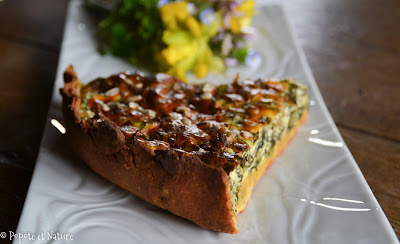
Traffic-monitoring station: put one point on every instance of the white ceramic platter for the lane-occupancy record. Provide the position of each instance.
(313, 193)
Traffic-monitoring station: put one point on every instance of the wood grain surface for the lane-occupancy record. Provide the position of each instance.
(353, 48)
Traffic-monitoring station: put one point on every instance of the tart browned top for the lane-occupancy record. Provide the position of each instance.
(216, 123)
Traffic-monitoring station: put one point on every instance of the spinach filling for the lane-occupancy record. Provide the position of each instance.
(266, 139)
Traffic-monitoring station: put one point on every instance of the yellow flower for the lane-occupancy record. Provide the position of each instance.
(173, 13)
(201, 70)
(180, 45)
(247, 7)
(176, 53)
(186, 40)
(235, 24)
(246, 10)
(177, 72)
(193, 26)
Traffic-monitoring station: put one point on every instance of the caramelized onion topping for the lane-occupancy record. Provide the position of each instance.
(216, 123)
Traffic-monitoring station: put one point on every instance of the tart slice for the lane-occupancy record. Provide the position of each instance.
(195, 150)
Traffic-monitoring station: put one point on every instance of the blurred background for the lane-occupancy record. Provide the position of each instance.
(353, 48)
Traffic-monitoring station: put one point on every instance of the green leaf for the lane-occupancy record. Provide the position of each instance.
(239, 53)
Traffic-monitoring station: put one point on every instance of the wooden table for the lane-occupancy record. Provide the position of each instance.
(353, 48)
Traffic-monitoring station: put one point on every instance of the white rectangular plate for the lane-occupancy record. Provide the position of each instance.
(313, 193)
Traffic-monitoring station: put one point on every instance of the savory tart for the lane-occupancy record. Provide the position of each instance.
(196, 150)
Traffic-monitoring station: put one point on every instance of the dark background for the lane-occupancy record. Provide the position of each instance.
(353, 48)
